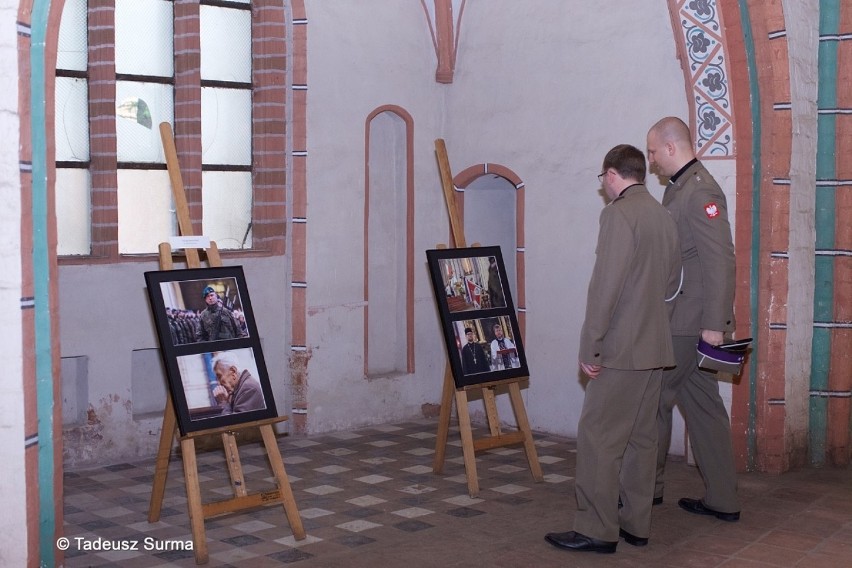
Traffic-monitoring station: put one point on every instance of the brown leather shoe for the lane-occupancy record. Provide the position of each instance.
(698, 507)
(572, 540)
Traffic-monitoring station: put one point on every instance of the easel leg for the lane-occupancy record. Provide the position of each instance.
(193, 496)
(235, 467)
(524, 426)
(467, 443)
(284, 488)
(444, 422)
(489, 398)
(161, 470)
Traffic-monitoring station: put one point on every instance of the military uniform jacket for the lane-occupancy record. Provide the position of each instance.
(217, 322)
(706, 299)
(636, 269)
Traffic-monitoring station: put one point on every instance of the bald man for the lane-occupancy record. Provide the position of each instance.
(703, 308)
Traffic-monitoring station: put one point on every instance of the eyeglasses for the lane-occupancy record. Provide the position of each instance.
(601, 175)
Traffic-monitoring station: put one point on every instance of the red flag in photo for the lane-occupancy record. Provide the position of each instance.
(474, 293)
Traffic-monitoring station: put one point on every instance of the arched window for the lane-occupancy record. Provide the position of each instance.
(491, 202)
(388, 244)
(489, 219)
(122, 69)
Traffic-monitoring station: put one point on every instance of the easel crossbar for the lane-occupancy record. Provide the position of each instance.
(233, 429)
(499, 441)
(251, 500)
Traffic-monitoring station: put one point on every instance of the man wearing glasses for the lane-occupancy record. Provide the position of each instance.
(624, 344)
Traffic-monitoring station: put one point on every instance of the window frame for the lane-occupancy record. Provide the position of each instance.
(268, 87)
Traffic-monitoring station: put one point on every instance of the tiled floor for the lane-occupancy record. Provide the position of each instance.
(369, 499)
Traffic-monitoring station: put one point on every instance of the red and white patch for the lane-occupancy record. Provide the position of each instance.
(712, 210)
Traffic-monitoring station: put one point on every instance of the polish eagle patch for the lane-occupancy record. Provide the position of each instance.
(712, 210)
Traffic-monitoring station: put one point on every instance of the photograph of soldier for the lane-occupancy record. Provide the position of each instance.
(216, 322)
(472, 283)
(200, 310)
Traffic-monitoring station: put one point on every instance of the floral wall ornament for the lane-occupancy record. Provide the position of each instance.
(698, 24)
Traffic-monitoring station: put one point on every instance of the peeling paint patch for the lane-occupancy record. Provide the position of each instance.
(299, 389)
(109, 435)
(314, 310)
(92, 416)
(430, 410)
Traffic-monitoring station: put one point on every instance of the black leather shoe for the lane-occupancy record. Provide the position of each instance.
(698, 507)
(656, 501)
(632, 539)
(576, 541)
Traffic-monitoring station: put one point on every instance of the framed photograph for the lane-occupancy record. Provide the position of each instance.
(477, 315)
(210, 347)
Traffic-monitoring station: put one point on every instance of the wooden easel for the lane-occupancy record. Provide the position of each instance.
(496, 438)
(199, 511)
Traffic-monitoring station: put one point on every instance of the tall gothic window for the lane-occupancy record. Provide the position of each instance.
(123, 68)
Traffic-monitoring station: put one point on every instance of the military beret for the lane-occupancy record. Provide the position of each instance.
(206, 291)
(727, 358)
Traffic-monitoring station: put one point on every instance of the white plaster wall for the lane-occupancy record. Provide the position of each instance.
(104, 314)
(360, 58)
(13, 526)
(544, 88)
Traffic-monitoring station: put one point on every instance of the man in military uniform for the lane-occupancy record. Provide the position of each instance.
(625, 343)
(704, 308)
(216, 322)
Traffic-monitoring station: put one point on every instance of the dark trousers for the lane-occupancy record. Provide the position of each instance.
(696, 393)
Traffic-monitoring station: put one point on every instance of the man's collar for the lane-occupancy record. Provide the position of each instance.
(683, 169)
(624, 191)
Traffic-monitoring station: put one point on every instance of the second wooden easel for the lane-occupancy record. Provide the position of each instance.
(199, 511)
(496, 438)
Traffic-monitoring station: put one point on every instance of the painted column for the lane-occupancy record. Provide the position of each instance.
(801, 28)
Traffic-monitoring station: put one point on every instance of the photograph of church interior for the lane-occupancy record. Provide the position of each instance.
(308, 138)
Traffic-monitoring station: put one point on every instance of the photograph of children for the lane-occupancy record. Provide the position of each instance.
(218, 383)
(472, 283)
(489, 337)
(203, 310)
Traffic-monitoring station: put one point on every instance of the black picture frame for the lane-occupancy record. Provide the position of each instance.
(206, 350)
(471, 292)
